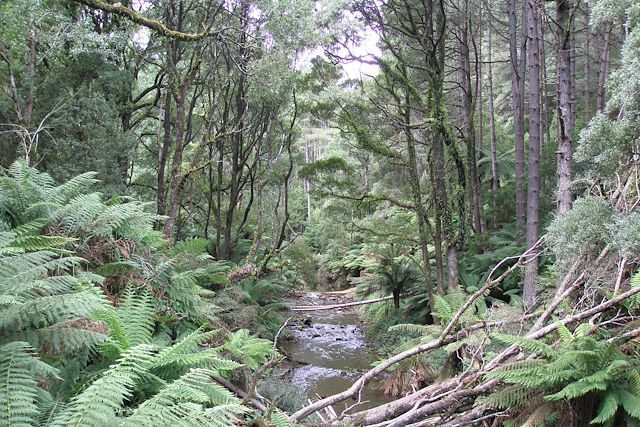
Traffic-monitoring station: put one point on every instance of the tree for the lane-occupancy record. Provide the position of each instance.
(564, 22)
(533, 176)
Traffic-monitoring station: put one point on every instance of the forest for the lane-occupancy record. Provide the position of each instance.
(320, 212)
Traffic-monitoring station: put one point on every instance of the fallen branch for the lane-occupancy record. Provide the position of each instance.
(442, 340)
(240, 393)
(334, 306)
(256, 377)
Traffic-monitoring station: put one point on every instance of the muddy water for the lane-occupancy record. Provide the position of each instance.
(332, 353)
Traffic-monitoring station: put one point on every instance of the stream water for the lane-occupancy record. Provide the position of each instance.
(331, 352)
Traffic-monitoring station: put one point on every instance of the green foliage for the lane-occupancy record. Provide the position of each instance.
(68, 210)
(131, 324)
(191, 399)
(581, 231)
(625, 233)
(252, 351)
(329, 165)
(21, 377)
(147, 370)
(392, 275)
(45, 298)
(579, 366)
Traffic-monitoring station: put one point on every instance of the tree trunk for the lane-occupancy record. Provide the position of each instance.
(473, 181)
(495, 172)
(308, 158)
(163, 151)
(565, 108)
(603, 68)
(587, 68)
(517, 64)
(176, 164)
(533, 180)
(219, 176)
(437, 237)
(421, 214)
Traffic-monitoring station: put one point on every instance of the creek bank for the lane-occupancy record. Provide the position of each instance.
(327, 349)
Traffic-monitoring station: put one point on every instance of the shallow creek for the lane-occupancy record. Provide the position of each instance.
(331, 352)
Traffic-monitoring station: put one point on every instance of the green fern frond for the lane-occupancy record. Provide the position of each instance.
(444, 311)
(607, 408)
(577, 389)
(137, 312)
(531, 345)
(218, 416)
(100, 402)
(565, 334)
(582, 330)
(73, 186)
(279, 420)
(131, 324)
(65, 338)
(252, 351)
(630, 402)
(634, 381)
(410, 328)
(166, 407)
(20, 372)
(510, 397)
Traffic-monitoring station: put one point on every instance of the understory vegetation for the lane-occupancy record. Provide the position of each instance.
(176, 175)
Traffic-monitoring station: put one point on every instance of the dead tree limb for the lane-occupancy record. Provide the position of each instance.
(333, 306)
(442, 340)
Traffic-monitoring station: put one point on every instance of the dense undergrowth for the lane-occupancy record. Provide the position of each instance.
(102, 324)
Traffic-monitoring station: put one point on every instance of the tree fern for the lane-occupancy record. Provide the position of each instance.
(49, 235)
(509, 397)
(20, 374)
(99, 403)
(165, 408)
(188, 353)
(132, 323)
(252, 351)
(607, 409)
(531, 345)
(43, 292)
(280, 420)
(580, 366)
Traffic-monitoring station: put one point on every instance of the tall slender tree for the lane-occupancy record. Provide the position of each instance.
(565, 105)
(533, 176)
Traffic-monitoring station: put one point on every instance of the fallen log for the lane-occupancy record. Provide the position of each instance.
(454, 392)
(439, 342)
(458, 391)
(334, 306)
(240, 393)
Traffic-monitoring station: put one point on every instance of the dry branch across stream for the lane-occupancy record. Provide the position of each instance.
(451, 400)
(300, 308)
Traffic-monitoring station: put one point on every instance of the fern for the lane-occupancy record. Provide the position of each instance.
(607, 408)
(279, 420)
(131, 324)
(50, 234)
(531, 345)
(510, 397)
(166, 407)
(20, 373)
(188, 354)
(99, 403)
(252, 351)
(43, 293)
(580, 366)
(412, 329)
